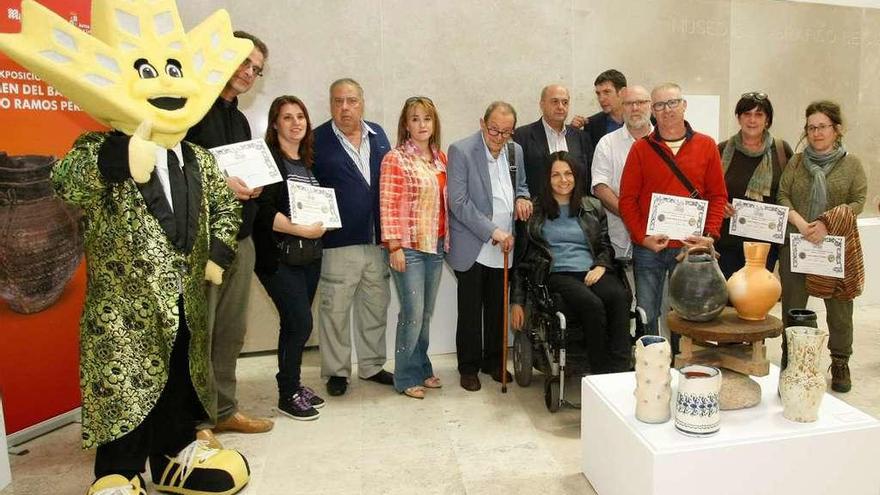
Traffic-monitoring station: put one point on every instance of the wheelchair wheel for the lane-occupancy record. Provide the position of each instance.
(551, 393)
(522, 358)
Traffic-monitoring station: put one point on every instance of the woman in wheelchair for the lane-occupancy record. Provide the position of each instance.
(565, 242)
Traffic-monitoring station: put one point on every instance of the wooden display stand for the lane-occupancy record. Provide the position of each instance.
(725, 342)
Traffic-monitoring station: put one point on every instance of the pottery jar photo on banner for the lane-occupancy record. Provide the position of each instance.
(802, 383)
(697, 412)
(753, 289)
(653, 379)
(697, 288)
(40, 241)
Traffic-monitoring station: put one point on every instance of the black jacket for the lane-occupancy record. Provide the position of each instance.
(225, 124)
(597, 126)
(274, 199)
(533, 140)
(532, 257)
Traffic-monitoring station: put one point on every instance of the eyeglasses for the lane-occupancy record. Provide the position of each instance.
(670, 104)
(638, 103)
(498, 132)
(820, 128)
(755, 95)
(418, 99)
(246, 64)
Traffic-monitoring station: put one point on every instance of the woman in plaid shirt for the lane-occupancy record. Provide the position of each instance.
(412, 204)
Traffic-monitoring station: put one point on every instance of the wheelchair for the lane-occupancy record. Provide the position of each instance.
(553, 343)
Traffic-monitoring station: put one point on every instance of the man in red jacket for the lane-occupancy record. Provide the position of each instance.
(646, 172)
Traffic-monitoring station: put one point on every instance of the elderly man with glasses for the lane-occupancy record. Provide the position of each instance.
(486, 188)
(650, 168)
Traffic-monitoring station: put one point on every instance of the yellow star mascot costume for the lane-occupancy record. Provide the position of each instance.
(159, 222)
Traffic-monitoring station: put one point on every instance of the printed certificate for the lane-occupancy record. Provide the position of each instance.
(762, 221)
(676, 216)
(250, 161)
(825, 258)
(310, 204)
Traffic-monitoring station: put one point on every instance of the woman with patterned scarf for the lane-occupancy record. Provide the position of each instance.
(820, 179)
(753, 161)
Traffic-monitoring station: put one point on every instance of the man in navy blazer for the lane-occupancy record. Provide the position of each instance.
(609, 86)
(550, 134)
(485, 193)
(348, 156)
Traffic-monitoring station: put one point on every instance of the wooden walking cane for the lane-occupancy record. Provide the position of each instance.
(504, 330)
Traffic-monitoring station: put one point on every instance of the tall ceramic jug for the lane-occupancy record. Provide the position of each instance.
(653, 379)
(802, 384)
(697, 412)
(697, 288)
(753, 290)
(40, 241)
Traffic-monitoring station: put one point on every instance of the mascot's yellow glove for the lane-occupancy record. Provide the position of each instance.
(142, 153)
(213, 273)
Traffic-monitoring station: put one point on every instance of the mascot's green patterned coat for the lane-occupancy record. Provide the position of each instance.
(135, 277)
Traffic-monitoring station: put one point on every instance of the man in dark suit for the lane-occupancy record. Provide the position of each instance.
(550, 134)
(609, 93)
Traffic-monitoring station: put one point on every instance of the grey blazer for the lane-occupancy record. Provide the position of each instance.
(469, 192)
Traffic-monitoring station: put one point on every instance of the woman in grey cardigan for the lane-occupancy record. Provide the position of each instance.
(816, 180)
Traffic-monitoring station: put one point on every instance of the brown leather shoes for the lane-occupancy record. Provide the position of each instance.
(471, 383)
(244, 424)
(208, 437)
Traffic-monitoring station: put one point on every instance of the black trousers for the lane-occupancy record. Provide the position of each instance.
(480, 316)
(168, 428)
(602, 310)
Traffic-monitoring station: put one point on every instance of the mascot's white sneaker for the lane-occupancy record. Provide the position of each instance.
(201, 470)
(116, 484)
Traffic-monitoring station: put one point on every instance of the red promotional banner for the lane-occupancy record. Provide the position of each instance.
(39, 352)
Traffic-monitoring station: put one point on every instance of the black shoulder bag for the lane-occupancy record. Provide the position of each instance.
(295, 250)
(675, 170)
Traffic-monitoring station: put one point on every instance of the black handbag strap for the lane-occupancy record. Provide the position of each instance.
(675, 170)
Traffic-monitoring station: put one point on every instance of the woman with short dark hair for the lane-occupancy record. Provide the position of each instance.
(752, 160)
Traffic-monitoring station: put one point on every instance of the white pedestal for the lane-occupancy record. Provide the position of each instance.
(5, 474)
(756, 452)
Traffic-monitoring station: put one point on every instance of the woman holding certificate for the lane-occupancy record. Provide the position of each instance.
(289, 255)
(824, 187)
(752, 160)
(412, 205)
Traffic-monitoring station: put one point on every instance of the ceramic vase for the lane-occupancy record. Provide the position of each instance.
(802, 384)
(653, 379)
(697, 288)
(697, 412)
(753, 290)
(40, 240)
(797, 317)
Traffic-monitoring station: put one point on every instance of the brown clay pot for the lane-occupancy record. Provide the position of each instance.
(753, 290)
(40, 241)
(697, 289)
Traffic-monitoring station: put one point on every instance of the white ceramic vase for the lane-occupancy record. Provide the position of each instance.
(653, 379)
(802, 384)
(697, 411)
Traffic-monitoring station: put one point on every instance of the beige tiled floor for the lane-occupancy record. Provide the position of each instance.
(373, 441)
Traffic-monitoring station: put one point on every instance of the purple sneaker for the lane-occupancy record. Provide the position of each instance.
(297, 407)
(310, 395)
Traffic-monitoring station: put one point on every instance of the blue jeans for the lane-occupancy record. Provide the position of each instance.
(292, 289)
(650, 271)
(417, 290)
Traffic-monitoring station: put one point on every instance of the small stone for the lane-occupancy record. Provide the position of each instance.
(738, 391)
